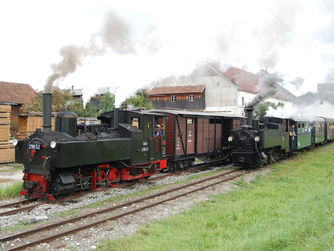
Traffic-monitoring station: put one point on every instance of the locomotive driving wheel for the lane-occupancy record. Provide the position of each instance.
(114, 176)
(101, 175)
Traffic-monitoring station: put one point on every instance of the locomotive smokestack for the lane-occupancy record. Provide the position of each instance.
(116, 110)
(249, 115)
(47, 103)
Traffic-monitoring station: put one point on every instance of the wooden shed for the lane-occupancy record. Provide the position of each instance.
(28, 123)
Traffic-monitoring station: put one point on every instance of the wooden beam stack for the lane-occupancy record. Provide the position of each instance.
(7, 151)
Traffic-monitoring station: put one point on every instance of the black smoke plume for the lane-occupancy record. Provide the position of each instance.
(268, 84)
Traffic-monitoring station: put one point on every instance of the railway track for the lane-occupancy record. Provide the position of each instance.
(20, 208)
(19, 205)
(41, 235)
(15, 204)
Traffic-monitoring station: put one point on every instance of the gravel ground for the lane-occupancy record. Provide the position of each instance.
(45, 211)
(127, 226)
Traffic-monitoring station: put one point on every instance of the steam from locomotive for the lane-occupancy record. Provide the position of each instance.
(268, 86)
(114, 34)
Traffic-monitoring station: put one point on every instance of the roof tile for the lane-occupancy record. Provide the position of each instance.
(176, 89)
(15, 93)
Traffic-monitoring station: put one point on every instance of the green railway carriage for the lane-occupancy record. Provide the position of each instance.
(329, 129)
(319, 125)
(309, 132)
(303, 131)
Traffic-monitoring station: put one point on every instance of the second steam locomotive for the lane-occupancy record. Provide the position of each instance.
(268, 139)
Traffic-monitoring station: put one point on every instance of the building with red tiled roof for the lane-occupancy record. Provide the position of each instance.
(227, 89)
(14, 93)
(249, 82)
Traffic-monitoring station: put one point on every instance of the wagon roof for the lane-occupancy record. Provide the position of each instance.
(198, 113)
(307, 119)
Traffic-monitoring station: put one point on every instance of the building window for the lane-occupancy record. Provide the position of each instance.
(242, 101)
(173, 98)
(191, 97)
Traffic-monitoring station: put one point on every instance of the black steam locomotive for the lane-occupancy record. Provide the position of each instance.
(74, 158)
(268, 139)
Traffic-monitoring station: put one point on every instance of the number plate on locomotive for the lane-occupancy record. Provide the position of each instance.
(34, 146)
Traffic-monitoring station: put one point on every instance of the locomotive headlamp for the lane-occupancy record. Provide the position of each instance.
(15, 141)
(230, 138)
(53, 144)
(256, 138)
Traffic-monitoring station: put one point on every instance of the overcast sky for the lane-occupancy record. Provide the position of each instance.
(160, 38)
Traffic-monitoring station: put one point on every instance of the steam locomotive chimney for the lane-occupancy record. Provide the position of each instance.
(116, 110)
(249, 115)
(47, 103)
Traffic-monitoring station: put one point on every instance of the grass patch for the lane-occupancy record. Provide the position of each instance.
(19, 226)
(291, 208)
(240, 183)
(11, 190)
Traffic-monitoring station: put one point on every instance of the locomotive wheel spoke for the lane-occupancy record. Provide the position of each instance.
(114, 177)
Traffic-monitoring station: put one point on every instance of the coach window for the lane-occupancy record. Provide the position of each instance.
(191, 97)
(242, 101)
(173, 98)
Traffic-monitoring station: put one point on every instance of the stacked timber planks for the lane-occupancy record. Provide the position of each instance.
(29, 123)
(7, 151)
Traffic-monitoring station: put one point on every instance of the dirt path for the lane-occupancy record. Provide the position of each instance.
(9, 175)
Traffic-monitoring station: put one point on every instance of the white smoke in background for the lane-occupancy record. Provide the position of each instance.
(114, 34)
(200, 70)
(330, 76)
(277, 32)
(315, 109)
(265, 40)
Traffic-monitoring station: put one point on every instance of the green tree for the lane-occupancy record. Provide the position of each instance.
(260, 110)
(61, 100)
(107, 102)
(140, 99)
(90, 111)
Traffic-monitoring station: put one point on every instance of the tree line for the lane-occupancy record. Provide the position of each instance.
(62, 100)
